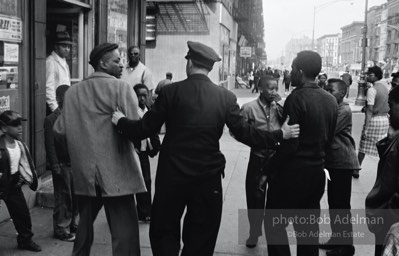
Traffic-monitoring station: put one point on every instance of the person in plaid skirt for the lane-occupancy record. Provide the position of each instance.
(376, 122)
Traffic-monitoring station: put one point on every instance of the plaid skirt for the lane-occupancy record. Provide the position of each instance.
(378, 130)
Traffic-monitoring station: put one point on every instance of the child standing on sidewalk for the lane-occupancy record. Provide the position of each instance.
(340, 161)
(65, 215)
(16, 169)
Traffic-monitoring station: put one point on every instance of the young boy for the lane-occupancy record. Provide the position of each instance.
(146, 148)
(383, 199)
(340, 161)
(16, 169)
(65, 206)
(263, 113)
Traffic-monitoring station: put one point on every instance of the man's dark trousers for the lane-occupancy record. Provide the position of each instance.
(122, 221)
(255, 199)
(144, 199)
(19, 211)
(65, 215)
(202, 200)
(339, 190)
(296, 190)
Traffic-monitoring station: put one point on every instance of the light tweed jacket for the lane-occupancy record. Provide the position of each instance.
(99, 155)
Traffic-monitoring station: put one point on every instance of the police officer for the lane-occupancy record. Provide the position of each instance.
(191, 165)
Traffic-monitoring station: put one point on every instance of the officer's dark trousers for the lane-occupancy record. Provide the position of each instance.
(339, 190)
(202, 201)
(144, 199)
(65, 214)
(19, 212)
(255, 199)
(122, 221)
(295, 189)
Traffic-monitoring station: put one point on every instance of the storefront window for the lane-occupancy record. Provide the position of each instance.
(117, 25)
(10, 39)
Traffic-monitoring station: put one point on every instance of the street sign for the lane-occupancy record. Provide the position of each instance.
(246, 52)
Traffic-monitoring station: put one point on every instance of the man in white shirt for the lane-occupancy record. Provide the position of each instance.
(136, 72)
(57, 69)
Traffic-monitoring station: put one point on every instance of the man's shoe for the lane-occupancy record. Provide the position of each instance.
(342, 251)
(355, 174)
(30, 246)
(67, 237)
(328, 245)
(252, 241)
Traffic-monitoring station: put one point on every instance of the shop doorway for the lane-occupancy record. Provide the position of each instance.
(64, 16)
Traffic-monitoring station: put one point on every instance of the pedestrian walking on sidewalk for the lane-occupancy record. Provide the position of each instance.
(295, 173)
(65, 213)
(266, 114)
(148, 147)
(376, 122)
(105, 167)
(286, 81)
(191, 165)
(341, 160)
(16, 169)
(347, 78)
(383, 199)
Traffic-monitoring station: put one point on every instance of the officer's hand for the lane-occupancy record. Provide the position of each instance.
(290, 131)
(116, 116)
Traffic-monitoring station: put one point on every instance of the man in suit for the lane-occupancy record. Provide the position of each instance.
(191, 165)
(105, 168)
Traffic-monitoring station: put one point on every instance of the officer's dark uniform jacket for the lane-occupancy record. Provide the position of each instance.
(195, 111)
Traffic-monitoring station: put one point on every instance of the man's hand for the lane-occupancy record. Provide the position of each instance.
(116, 116)
(290, 131)
(392, 132)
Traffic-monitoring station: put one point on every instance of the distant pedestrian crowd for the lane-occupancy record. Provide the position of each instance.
(101, 132)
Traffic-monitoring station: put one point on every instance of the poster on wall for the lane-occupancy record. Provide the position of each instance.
(10, 29)
(11, 53)
(4, 103)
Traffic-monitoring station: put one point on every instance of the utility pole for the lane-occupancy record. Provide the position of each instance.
(362, 84)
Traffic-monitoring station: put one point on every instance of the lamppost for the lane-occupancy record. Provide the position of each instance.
(316, 7)
(362, 84)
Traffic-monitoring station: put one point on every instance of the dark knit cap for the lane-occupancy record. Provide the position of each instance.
(202, 55)
(99, 51)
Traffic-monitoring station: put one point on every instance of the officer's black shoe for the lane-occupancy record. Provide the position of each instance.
(355, 174)
(30, 246)
(342, 251)
(252, 241)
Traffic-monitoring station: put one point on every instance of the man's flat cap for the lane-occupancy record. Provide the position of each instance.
(202, 55)
(98, 52)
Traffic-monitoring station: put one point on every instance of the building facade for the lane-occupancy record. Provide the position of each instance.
(351, 49)
(328, 48)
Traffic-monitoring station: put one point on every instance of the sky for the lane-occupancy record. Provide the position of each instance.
(286, 19)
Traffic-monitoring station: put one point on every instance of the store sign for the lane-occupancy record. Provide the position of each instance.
(245, 52)
(10, 29)
(4, 103)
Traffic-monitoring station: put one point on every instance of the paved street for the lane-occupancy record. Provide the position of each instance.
(230, 240)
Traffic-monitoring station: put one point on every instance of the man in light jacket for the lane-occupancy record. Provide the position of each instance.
(57, 69)
(105, 167)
